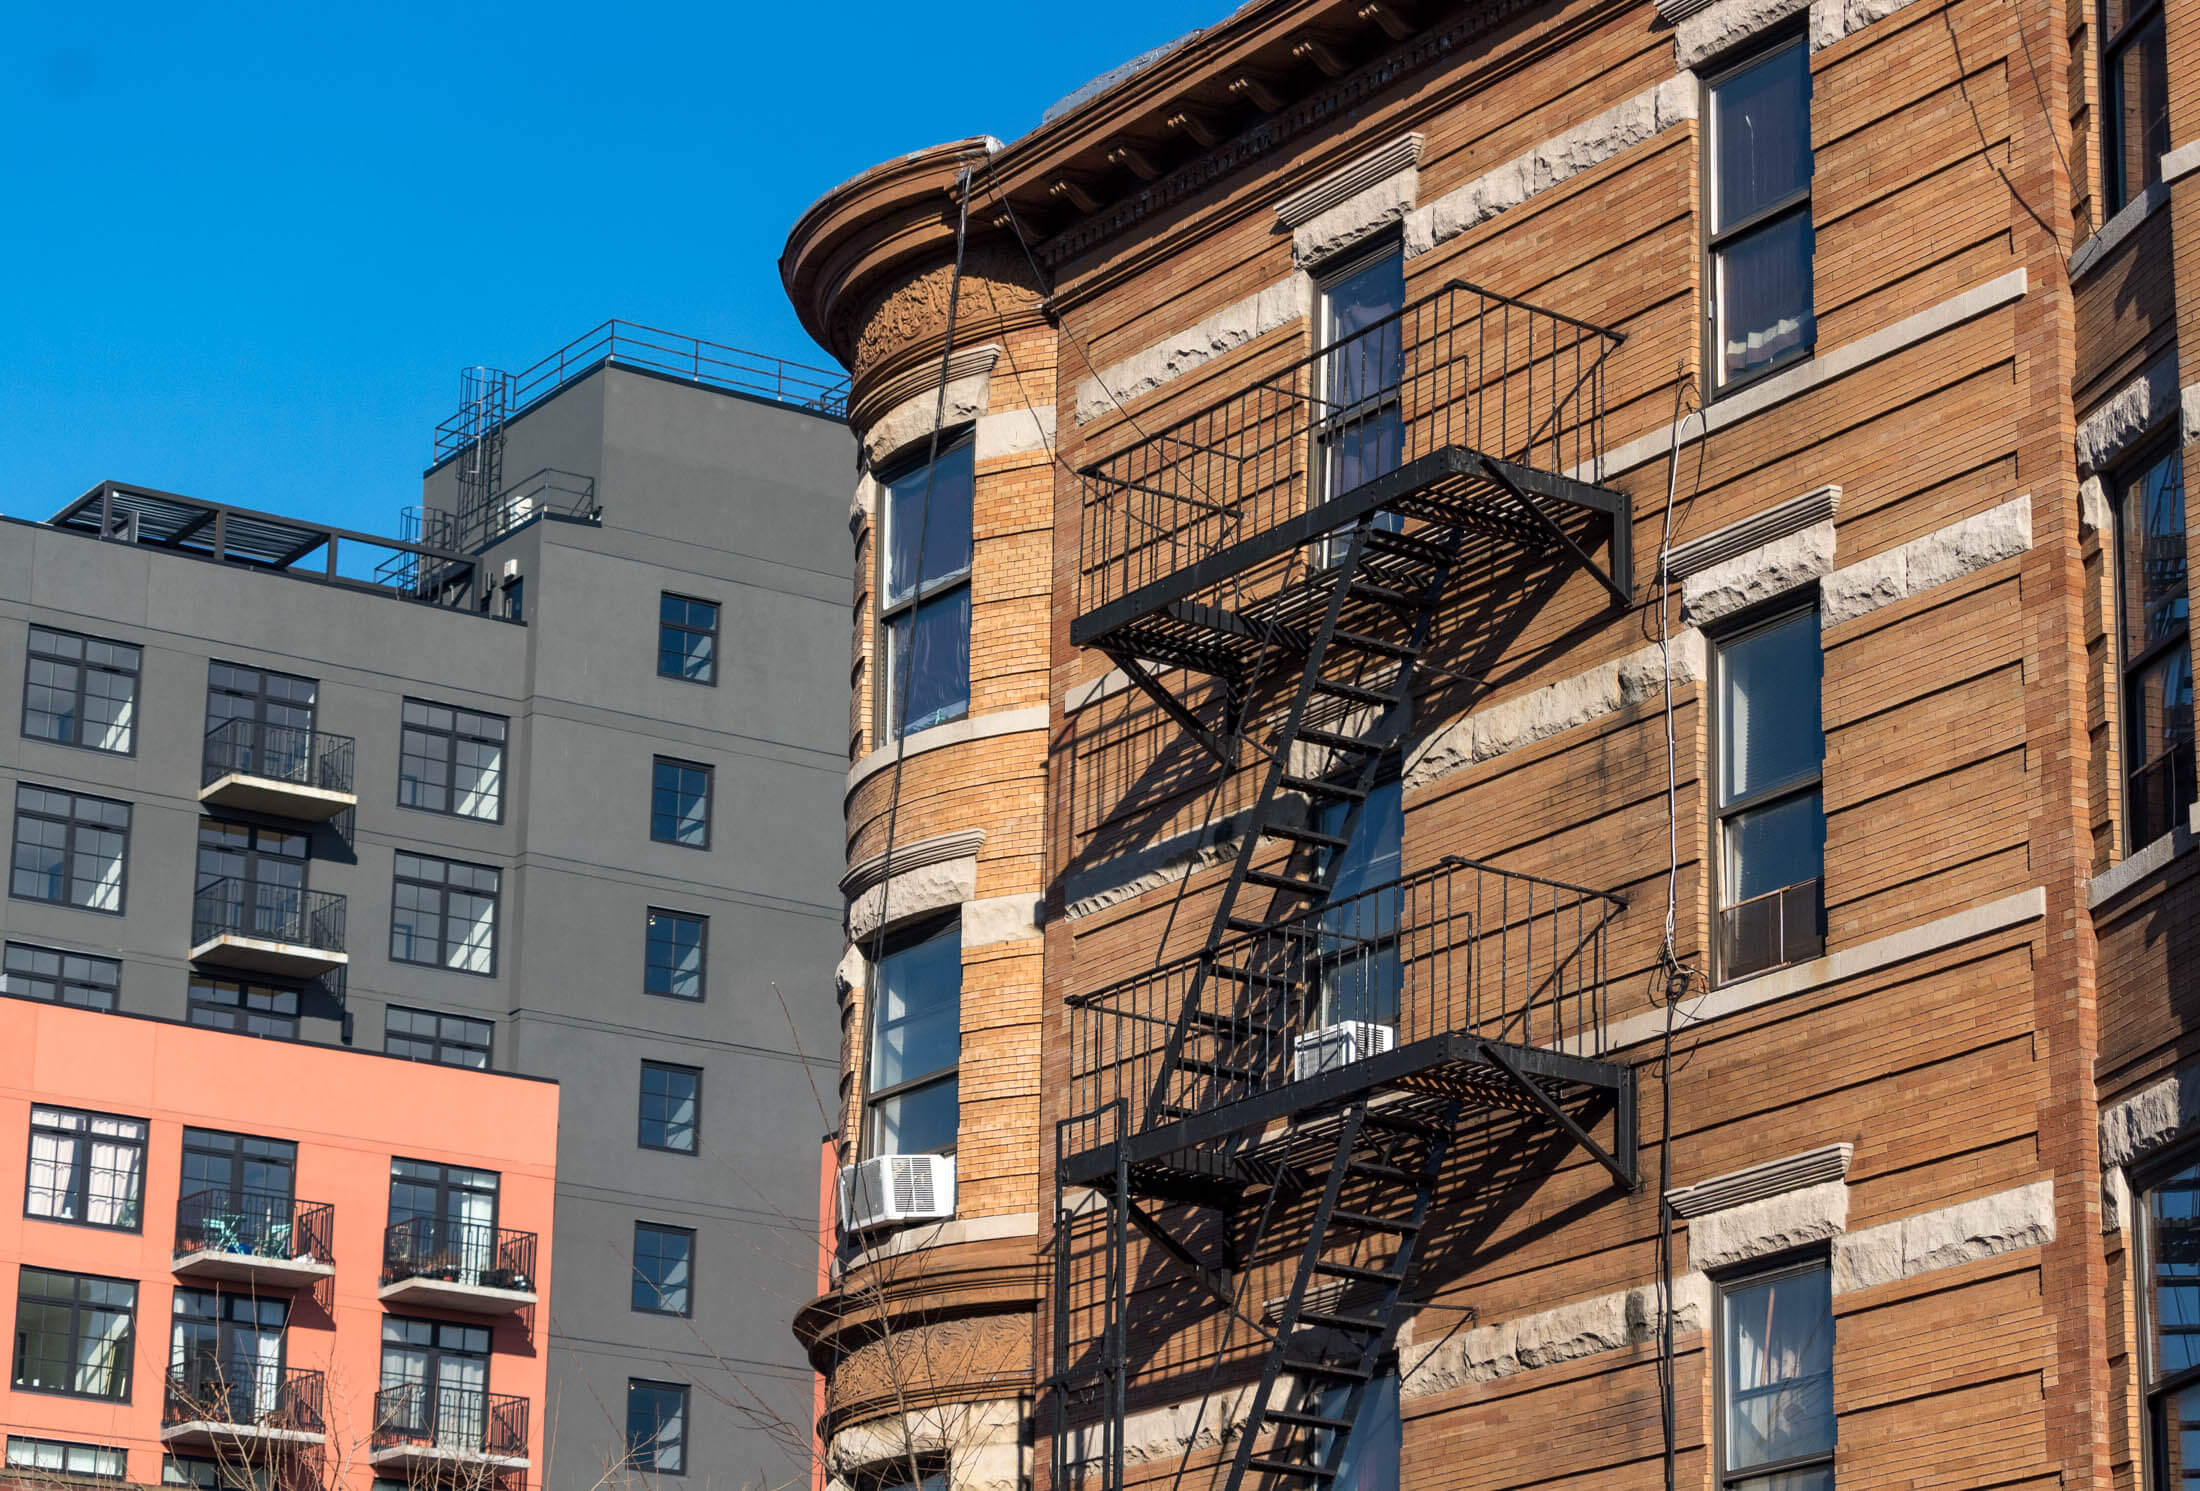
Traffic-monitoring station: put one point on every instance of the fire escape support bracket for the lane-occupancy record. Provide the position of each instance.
(1218, 1282)
(1175, 708)
(1521, 482)
(1624, 1173)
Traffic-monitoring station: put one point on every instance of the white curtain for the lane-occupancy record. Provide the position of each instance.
(54, 1158)
(477, 1235)
(117, 1180)
(460, 1402)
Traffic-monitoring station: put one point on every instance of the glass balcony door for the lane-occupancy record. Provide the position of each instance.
(226, 1355)
(452, 1212)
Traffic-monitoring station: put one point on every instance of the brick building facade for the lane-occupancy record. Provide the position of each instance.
(1560, 745)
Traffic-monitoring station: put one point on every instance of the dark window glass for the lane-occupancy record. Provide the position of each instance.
(282, 700)
(60, 977)
(662, 1257)
(91, 1462)
(252, 880)
(1359, 971)
(448, 1214)
(2135, 98)
(679, 803)
(687, 639)
(1771, 814)
(2157, 652)
(74, 1334)
(246, 1009)
(444, 914)
(81, 691)
(1377, 1443)
(656, 1426)
(451, 760)
(2170, 1307)
(671, 1096)
(221, 1475)
(225, 1354)
(515, 600)
(70, 849)
(674, 965)
(242, 1185)
(916, 1041)
(423, 1035)
(1359, 428)
(924, 589)
(1761, 238)
(86, 1167)
(1776, 1382)
(435, 1381)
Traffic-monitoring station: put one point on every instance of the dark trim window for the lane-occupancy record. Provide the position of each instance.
(679, 802)
(282, 700)
(1771, 821)
(87, 1168)
(451, 760)
(244, 1009)
(1359, 430)
(2169, 1312)
(70, 849)
(226, 1353)
(664, 1258)
(60, 977)
(448, 1040)
(656, 1426)
(435, 1380)
(74, 1334)
(671, 1107)
(1376, 1446)
(924, 564)
(912, 1099)
(1757, 189)
(1776, 1423)
(443, 914)
(2134, 99)
(687, 638)
(86, 1462)
(81, 691)
(677, 950)
(1364, 984)
(247, 1180)
(2155, 645)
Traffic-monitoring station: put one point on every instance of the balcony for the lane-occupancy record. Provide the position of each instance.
(469, 1266)
(280, 770)
(244, 1403)
(267, 1240)
(268, 929)
(432, 1431)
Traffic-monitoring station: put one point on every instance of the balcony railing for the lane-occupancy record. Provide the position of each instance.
(278, 753)
(457, 1421)
(1462, 948)
(472, 1254)
(1463, 368)
(268, 913)
(247, 1395)
(255, 1224)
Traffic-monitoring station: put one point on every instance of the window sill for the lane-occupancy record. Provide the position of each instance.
(2095, 250)
(953, 732)
(2144, 862)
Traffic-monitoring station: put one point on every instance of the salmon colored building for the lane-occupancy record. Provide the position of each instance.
(249, 1262)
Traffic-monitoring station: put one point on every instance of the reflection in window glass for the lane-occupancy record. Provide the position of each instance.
(2157, 659)
(1761, 238)
(81, 691)
(916, 1040)
(670, 1097)
(924, 589)
(1771, 810)
(1777, 1380)
(673, 959)
(679, 803)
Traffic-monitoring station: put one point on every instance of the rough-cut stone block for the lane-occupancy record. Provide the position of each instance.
(1165, 361)
(2150, 1118)
(1000, 919)
(912, 892)
(1356, 217)
(913, 419)
(1936, 558)
(2128, 415)
(1611, 1322)
(1758, 1229)
(1015, 432)
(1770, 569)
(2093, 510)
(1717, 28)
(1952, 1235)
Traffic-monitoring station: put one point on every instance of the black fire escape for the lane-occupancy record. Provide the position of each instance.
(1270, 572)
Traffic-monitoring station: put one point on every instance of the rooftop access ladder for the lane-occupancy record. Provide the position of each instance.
(1296, 543)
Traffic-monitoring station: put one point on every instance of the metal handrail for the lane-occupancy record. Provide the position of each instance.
(279, 753)
(259, 1224)
(471, 1253)
(238, 907)
(462, 1420)
(261, 1395)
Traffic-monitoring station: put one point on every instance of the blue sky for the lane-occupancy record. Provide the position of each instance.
(250, 247)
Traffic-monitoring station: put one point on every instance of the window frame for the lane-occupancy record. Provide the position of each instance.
(715, 632)
(1717, 238)
(242, 1012)
(2144, 1179)
(442, 888)
(125, 1353)
(2120, 480)
(451, 739)
(438, 1040)
(687, 1403)
(1331, 272)
(2117, 193)
(914, 934)
(62, 983)
(121, 1452)
(885, 613)
(84, 668)
(1791, 1264)
(69, 854)
(687, 1293)
(710, 799)
(80, 1193)
(702, 953)
(641, 1120)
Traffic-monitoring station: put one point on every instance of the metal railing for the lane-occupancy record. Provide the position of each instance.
(631, 344)
(257, 1224)
(460, 1420)
(268, 913)
(471, 1253)
(566, 494)
(279, 753)
(246, 1394)
(1460, 948)
(1463, 367)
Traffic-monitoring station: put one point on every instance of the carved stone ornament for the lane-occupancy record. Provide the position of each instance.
(996, 279)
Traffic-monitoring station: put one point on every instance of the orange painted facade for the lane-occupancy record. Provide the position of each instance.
(350, 1114)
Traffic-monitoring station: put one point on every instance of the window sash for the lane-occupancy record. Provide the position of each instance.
(680, 802)
(87, 1168)
(451, 760)
(687, 649)
(2143, 27)
(656, 1426)
(679, 1103)
(1775, 1372)
(664, 1270)
(675, 965)
(96, 1339)
(89, 676)
(60, 977)
(78, 848)
(437, 924)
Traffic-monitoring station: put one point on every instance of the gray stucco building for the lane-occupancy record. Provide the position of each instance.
(556, 792)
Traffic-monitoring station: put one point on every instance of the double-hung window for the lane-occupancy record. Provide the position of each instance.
(86, 1167)
(2156, 651)
(663, 1257)
(2134, 98)
(916, 1041)
(687, 638)
(671, 1096)
(1359, 427)
(924, 589)
(2169, 1308)
(1771, 830)
(451, 760)
(1776, 1426)
(1761, 240)
(69, 849)
(656, 1426)
(59, 977)
(81, 691)
(74, 1334)
(1357, 958)
(444, 914)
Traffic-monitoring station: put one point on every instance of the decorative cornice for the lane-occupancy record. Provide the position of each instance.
(1754, 532)
(1756, 1182)
(970, 362)
(866, 873)
(1308, 203)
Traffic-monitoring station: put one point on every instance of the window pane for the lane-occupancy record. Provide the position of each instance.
(1779, 1369)
(2173, 1257)
(674, 959)
(1760, 130)
(945, 526)
(937, 660)
(918, 1009)
(1360, 975)
(919, 1121)
(2152, 521)
(656, 1426)
(1780, 844)
(1364, 359)
(1764, 284)
(1768, 700)
(2138, 113)
(661, 1259)
(668, 1107)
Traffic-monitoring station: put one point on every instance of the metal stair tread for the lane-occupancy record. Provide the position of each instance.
(1337, 688)
(1358, 1274)
(1335, 742)
(1373, 1223)
(1285, 1467)
(1363, 642)
(1316, 787)
(1291, 884)
(1336, 1321)
(1300, 1419)
(1300, 834)
(1312, 1367)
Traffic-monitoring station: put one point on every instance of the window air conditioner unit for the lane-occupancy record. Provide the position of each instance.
(894, 1189)
(1339, 1045)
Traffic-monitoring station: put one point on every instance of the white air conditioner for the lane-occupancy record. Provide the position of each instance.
(1338, 1045)
(895, 1189)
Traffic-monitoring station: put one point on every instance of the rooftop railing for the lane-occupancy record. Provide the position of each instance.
(455, 1420)
(255, 1224)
